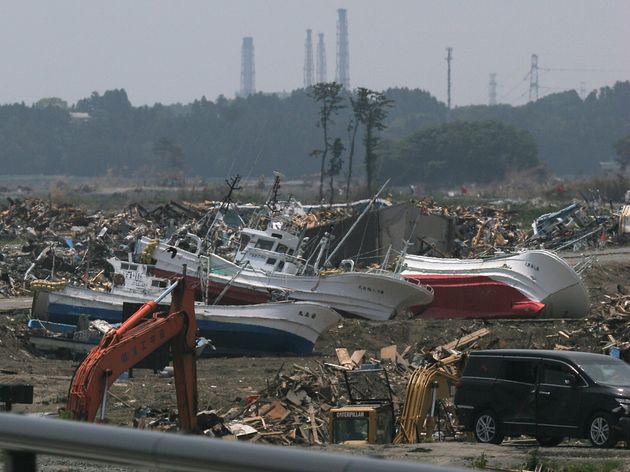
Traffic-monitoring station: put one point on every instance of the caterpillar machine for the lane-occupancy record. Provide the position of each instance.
(123, 347)
(369, 417)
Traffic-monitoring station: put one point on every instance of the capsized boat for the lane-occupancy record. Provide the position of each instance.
(269, 263)
(267, 329)
(525, 284)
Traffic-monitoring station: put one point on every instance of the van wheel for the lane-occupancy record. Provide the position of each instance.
(549, 441)
(601, 431)
(487, 428)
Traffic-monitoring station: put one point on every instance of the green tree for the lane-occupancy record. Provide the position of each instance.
(622, 148)
(170, 162)
(372, 110)
(461, 152)
(357, 104)
(328, 95)
(334, 165)
(51, 102)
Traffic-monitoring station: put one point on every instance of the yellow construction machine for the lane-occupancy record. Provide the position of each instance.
(427, 386)
(369, 418)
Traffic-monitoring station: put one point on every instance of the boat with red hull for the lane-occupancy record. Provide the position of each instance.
(528, 284)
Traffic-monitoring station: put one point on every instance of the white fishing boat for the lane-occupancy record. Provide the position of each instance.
(526, 284)
(263, 329)
(269, 265)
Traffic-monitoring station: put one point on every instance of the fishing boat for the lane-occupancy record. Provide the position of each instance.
(526, 284)
(48, 336)
(267, 329)
(269, 265)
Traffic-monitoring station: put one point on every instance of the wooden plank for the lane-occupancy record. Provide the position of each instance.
(278, 412)
(311, 415)
(343, 357)
(464, 340)
(389, 353)
(296, 397)
(357, 357)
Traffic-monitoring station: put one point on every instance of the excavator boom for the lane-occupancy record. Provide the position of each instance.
(122, 348)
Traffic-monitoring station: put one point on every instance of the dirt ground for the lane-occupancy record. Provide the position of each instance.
(224, 382)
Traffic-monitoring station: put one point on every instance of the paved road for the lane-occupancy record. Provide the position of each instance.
(16, 303)
(616, 254)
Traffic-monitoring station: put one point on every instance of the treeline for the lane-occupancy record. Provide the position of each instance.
(256, 135)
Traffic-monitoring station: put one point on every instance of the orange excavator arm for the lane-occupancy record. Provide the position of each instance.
(122, 348)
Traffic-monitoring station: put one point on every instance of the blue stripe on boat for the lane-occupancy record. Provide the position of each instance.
(230, 339)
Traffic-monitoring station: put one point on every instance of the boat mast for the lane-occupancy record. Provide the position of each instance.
(354, 225)
(232, 184)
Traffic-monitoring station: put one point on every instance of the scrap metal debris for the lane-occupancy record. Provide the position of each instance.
(486, 229)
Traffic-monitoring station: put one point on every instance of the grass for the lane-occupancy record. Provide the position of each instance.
(534, 460)
(479, 462)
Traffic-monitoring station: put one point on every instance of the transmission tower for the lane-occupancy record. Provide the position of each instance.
(248, 73)
(533, 79)
(309, 71)
(343, 50)
(492, 90)
(321, 59)
(449, 58)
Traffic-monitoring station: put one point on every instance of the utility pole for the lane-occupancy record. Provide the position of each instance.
(492, 90)
(533, 79)
(449, 58)
(321, 59)
(309, 72)
(248, 72)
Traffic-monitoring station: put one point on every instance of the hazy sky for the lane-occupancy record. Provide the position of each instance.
(177, 51)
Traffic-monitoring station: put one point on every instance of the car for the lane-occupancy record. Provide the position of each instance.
(550, 395)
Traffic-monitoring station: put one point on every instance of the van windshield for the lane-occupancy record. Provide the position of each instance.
(613, 372)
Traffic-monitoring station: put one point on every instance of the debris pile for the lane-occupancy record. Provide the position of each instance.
(611, 321)
(484, 230)
(45, 240)
(294, 407)
(573, 227)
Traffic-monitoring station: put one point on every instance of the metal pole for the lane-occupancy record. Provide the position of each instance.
(227, 286)
(104, 400)
(369, 205)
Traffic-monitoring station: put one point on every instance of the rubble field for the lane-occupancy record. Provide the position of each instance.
(282, 397)
(285, 400)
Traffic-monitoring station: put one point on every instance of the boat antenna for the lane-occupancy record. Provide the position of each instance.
(354, 225)
(272, 199)
(232, 184)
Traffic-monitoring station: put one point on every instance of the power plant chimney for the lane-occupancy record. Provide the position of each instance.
(248, 72)
(309, 71)
(343, 50)
(321, 59)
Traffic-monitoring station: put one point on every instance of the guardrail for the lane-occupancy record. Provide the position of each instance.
(22, 437)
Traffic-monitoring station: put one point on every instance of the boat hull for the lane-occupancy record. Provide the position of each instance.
(281, 328)
(527, 284)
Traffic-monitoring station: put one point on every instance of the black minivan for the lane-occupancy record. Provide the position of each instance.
(547, 394)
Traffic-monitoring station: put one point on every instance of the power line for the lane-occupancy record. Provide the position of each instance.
(508, 93)
(558, 69)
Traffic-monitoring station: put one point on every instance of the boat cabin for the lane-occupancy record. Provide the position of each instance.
(134, 277)
(271, 250)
